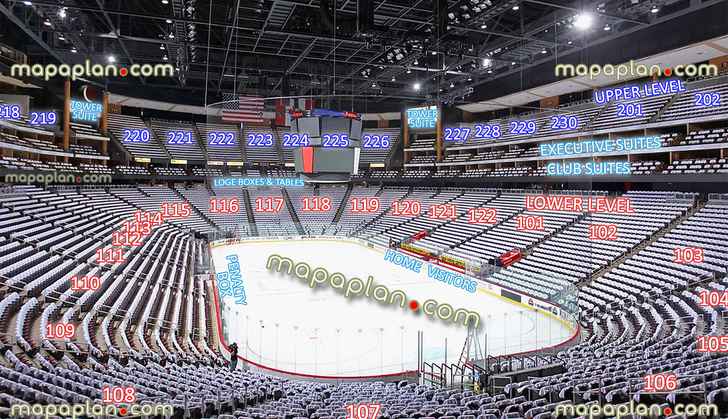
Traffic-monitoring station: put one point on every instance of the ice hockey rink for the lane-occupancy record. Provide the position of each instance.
(284, 324)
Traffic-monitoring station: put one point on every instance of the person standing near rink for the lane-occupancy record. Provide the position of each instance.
(233, 356)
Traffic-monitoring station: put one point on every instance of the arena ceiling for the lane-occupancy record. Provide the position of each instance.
(302, 47)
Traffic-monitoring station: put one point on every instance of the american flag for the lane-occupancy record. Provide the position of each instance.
(238, 108)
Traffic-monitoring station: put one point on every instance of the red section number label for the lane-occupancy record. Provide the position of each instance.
(176, 210)
(660, 382)
(406, 207)
(363, 411)
(688, 255)
(85, 283)
(115, 395)
(366, 205)
(268, 204)
(126, 238)
(482, 215)
(316, 204)
(713, 344)
(111, 255)
(141, 227)
(529, 223)
(224, 205)
(713, 298)
(60, 330)
(443, 211)
(155, 218)
(603, 232)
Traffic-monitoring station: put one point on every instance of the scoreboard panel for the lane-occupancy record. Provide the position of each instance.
(334, 147)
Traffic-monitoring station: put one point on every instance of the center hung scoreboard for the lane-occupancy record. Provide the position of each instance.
(330, 145)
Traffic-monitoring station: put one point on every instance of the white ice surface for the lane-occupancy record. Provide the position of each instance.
(289, 326)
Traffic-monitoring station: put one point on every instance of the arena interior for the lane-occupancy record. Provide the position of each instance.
(361, 209)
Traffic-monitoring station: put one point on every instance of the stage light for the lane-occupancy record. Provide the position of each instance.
(47, 22)
(570, 42)
(433, 52)
(483, 26)
(417, 86)
(171, 35)
(161, 47)
(27, 3)
(73, 50)
(607, 28)
(168, 20)
(393, 78)
(62, 13)
(513, 63)
(470, 79)
(583, 21)
(165, 1)
(416, 62)
(655, 9)
(452, 85)
(516, 7)
(543, 51)
(111, 59)
(165, 58)
(487, 62)
(409, 71)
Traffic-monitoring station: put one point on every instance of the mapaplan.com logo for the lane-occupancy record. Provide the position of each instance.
(53, 177)
(91, 70)
(357, 287)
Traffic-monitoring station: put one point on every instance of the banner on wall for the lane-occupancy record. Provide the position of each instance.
(82, 111)
(422, 117)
